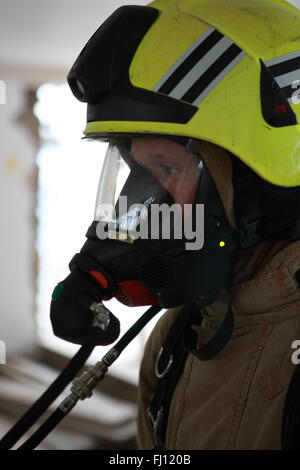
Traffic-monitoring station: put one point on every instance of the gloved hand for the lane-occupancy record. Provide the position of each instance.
(71, 314)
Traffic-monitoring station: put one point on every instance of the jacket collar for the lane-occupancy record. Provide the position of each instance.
(273, 289)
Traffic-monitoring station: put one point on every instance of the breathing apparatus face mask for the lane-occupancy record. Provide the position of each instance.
(159, 236)
(146, 190)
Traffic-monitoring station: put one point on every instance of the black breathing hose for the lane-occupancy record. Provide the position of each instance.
(60, 412)
(48, 397)
(76, 363)
(39, 435)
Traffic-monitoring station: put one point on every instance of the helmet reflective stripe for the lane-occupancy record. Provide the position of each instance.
(162, 85)
(201, 68)
(286, 70)
(220, 76)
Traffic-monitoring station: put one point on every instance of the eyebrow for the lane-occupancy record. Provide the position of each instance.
(167, 159)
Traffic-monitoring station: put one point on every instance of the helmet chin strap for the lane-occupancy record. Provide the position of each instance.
(221, 338)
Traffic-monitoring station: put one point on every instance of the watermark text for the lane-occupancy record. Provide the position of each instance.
(296, 354)
(296, 94)
(152, 221)
(2, 352)
(2, 92)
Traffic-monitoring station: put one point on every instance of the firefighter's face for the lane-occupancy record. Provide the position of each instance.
(176, 168)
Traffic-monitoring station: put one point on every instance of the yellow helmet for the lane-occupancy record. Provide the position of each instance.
(224, 71)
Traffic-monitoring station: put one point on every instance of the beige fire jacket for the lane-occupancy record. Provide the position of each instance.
(236, 399)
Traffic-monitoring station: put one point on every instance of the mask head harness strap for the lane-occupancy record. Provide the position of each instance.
(246, 207)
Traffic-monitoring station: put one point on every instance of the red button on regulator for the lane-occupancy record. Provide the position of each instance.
(100, 278)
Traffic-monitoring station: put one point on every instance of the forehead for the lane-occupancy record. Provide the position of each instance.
(160, 149)
(156, 143)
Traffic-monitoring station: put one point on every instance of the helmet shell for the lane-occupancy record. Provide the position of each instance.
(265, 35)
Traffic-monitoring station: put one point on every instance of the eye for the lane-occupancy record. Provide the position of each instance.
(168, 169)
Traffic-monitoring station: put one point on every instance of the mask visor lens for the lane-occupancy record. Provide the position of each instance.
(140, 173)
